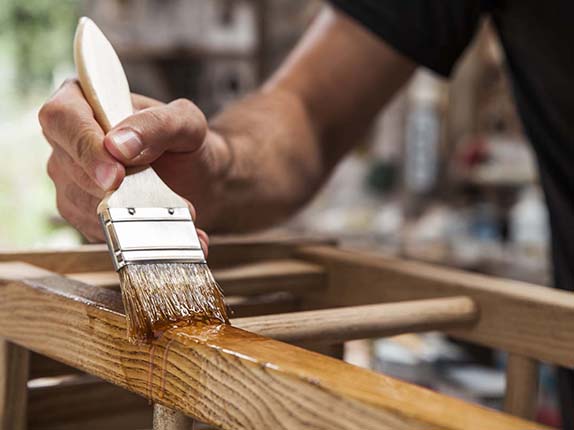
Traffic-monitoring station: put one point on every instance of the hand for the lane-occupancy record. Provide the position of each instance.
(85, 162)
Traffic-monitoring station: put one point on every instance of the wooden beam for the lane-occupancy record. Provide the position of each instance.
(521, 395)
(517, 317)
(244, 280)
(223, 252)
(13, 391)
(329, 326)
(222, 375)
(361, 322)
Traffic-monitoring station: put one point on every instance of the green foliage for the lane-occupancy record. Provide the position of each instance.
(38, 35)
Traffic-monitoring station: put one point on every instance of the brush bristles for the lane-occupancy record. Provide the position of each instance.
(159, 296)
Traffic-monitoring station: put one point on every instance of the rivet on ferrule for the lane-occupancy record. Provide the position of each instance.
(146, 235)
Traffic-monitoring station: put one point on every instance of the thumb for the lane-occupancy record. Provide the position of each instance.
(144, 136)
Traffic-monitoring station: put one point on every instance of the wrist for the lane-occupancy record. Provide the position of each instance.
(218, 158)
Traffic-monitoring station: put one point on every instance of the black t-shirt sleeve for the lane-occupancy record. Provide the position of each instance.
(433, 33)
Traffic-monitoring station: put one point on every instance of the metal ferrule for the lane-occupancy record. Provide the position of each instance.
(151, 235)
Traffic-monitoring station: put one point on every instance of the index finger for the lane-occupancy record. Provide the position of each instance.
(68, 120)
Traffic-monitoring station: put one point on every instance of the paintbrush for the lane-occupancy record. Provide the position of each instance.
(149, 230)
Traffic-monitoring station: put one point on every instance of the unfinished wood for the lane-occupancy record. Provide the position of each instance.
(13, 378)
(165, 418)
(107, 279)
(517, 317)
(245, 280)
(82, 400)
(361, 322)
(83, 258)
(222, 375)
(521, 395)
(236, 250)
(223, 252)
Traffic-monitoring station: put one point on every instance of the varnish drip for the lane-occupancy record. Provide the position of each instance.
(150, 374)
(158, 296)
(164, 367)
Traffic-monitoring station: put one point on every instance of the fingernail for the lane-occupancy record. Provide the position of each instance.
(106, 175)
(127, 142)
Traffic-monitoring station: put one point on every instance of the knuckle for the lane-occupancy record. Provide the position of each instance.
(83, 146)
(63, 207)
(183, 104)
(69, 82)
(157, 117)
(194, 122)
(51, 167)
(50, 113)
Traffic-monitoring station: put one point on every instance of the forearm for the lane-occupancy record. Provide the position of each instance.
(275, 161)
(283, 141)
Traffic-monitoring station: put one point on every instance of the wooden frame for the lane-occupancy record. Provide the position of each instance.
(66, 306)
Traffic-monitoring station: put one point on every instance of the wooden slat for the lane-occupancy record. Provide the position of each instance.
(13, 378)
(223, 252)
(521, 386)
(243, 280)
(517, 317)
(361, 322)
(91, 258)
(223, 375)
(107, 279)
(86, 402)
(324, 326)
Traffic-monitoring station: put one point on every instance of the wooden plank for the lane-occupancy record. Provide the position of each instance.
(361, 322)
(222, 375)
(521, 386)
(13, 392)
(77, 259)
(107, 279)
(243, 280)
(325, 326)
(80, 400)
(517, 317)
(236, 250)
(223, 252)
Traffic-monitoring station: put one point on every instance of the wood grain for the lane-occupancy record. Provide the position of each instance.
(517, 317)
(361, 322)
(13, 393)
(327, 326)
(521, 395)
(220, 374)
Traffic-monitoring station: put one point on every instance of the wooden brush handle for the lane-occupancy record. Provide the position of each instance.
(106, 88)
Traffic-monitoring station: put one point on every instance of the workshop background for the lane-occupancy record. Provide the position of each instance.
(446, 174)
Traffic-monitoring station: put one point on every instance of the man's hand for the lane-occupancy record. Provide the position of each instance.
(262, 158)
(86, 162)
